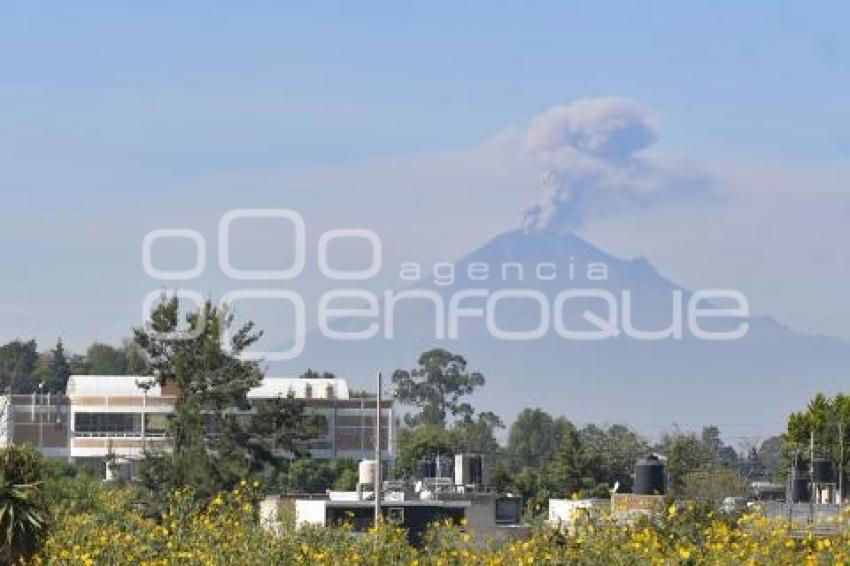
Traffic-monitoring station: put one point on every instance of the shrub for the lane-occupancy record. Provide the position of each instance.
(23, 508)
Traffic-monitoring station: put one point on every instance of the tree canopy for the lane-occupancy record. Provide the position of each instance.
(438, 387)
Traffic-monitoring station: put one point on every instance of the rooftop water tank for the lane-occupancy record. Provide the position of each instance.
(650, 476)
(366, 472)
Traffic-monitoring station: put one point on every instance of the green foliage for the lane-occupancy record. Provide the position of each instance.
(437, 387)
(17, 366)
(317, 476)
(69, 489)
(104, 359)
(23, 508)
(346, 479)
(311, 476)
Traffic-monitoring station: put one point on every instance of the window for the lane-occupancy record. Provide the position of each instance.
(156, 424)
(107, 424)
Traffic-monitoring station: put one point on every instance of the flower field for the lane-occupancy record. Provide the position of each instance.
(113, 530)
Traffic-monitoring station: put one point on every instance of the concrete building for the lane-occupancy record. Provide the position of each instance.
(102, 414)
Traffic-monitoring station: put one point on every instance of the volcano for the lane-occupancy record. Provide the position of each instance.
(753, 381)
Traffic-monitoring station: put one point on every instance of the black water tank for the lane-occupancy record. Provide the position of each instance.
(821, 470)
(799, 489)
(650, 478)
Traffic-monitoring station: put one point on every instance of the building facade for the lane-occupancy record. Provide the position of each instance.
(125, 416)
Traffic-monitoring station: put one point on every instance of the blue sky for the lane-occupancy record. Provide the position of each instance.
(120, 118)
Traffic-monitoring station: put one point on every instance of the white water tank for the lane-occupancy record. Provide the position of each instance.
(366, 472)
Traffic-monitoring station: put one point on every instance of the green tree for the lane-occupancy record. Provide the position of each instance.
(311, 476)
(564, 474)
(18, 361)
(104, 359)
(437, 387)
(59, 369)
(534, 437)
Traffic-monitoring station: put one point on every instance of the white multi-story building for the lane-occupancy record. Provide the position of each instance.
(114, 414)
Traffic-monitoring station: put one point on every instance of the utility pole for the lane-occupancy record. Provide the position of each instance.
(378, 481)
(812, 477)
(840, 464)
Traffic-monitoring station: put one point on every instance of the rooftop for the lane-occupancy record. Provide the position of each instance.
(271, 387)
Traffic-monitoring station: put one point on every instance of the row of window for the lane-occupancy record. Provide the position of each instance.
(130, 424)
(119, 424)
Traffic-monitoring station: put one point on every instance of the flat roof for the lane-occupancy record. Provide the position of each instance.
(111, 385)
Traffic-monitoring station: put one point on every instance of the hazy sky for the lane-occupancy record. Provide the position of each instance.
(116, 119)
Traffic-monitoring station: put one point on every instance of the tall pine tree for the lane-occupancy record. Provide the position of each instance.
(215, 443)
(59, 369)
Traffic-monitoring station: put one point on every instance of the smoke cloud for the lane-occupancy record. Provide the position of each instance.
(592, 153)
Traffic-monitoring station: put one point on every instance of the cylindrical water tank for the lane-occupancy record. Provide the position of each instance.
(821, 470)
(366, 472)
(650, 477)
(799, 489)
